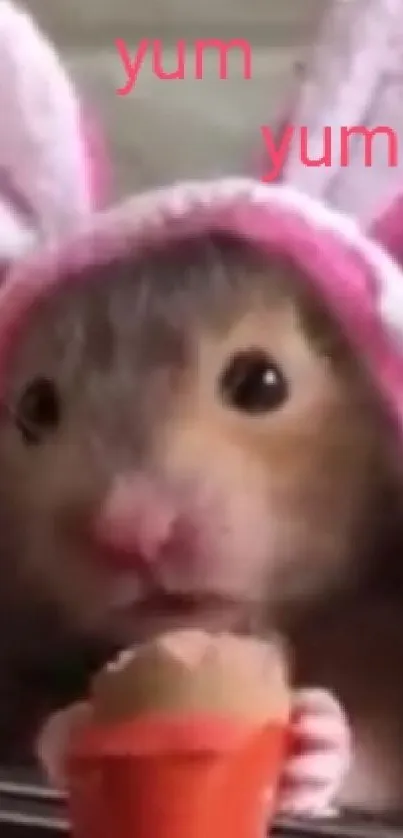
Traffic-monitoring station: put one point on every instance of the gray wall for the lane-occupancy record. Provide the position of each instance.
(168, 129)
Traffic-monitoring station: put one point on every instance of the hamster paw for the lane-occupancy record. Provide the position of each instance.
(53, 739)
(319, 757)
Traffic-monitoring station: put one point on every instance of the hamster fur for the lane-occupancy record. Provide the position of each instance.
(258, 476)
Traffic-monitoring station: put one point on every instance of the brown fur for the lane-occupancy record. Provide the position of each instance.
(294, 508)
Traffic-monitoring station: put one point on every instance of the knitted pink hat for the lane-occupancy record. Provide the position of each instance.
(50, 168)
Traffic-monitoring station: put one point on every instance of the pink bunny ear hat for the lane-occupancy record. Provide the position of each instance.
(49, 176)
(362, 284)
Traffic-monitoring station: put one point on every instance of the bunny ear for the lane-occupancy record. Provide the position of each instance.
(349, 108)
(42, 147)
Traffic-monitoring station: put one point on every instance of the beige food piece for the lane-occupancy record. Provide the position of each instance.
(192, 671)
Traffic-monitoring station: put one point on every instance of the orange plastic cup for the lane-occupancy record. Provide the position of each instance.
(195, 777)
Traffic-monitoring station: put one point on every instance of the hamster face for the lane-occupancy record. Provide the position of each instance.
(187, 439)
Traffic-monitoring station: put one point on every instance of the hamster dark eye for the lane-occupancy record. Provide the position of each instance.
(253, 383)
(38, 410)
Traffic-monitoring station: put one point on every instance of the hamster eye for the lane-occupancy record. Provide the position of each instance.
(253, 383)
(38, 410)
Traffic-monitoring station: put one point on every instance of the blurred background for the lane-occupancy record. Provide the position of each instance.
(168, 129)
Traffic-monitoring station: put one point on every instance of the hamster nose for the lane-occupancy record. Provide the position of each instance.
(135, 522)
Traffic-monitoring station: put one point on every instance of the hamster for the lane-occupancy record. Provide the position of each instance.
(187, 438)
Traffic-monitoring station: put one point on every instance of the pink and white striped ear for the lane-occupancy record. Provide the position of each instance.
(353, 80)
(43, 150)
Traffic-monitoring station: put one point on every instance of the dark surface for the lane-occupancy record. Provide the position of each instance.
(28, 809)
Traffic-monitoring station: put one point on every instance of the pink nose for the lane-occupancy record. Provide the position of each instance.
(135, 522)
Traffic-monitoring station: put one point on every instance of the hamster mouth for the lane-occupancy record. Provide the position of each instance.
(160, 611)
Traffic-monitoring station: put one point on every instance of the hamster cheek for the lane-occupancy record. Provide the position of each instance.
(279, 492)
